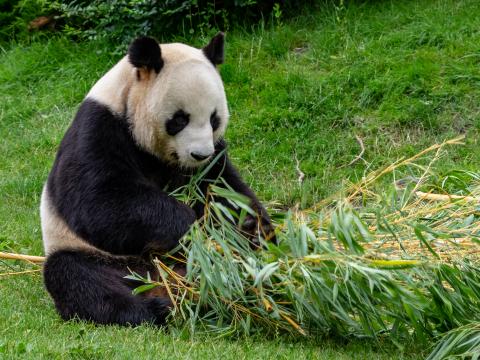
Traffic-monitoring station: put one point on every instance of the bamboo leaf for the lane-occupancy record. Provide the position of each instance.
(143, 288)
(265, 273)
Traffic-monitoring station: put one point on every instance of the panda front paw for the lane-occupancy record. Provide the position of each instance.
(258, 225)
(159, 309)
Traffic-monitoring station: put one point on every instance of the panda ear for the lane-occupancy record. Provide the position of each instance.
(144, 53)
(214, 51)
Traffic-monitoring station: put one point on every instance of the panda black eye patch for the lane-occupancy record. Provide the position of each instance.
(214, 120)
(177, 123)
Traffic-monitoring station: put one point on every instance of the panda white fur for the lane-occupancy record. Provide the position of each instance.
(146, 125)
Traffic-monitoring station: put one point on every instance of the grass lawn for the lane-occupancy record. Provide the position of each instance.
(400, 75)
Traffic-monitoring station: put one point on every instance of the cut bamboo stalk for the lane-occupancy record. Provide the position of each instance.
(30, 258)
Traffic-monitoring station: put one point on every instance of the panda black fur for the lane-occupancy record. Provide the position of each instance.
(146, 125)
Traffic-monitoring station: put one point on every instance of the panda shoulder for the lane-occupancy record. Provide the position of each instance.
(112, 88)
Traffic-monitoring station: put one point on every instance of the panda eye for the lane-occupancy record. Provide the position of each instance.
(177, 123)
(214, 121)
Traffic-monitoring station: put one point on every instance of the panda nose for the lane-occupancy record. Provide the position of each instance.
(199, 157)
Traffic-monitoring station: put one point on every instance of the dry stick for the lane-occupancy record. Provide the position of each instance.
(29, 258)
(20, 272)
(445, 197)
(293, 323)
(359, 156)
(159, 264)
(301, 175)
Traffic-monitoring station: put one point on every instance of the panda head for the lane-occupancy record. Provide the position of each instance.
(175, 101)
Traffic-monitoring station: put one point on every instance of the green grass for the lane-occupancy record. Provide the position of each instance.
(399, 74)
(30, 328)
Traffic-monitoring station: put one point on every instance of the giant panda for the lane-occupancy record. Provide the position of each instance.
(154, 118)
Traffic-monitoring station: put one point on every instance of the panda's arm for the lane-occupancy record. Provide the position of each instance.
(135, 217)
(125, 216)
(132, 217)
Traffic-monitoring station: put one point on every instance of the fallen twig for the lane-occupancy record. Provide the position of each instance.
(301, 174)
(359, 156)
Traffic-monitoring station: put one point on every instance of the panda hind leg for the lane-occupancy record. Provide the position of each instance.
(92, 287)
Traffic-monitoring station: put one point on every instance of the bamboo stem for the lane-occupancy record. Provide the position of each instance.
(30, 258)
